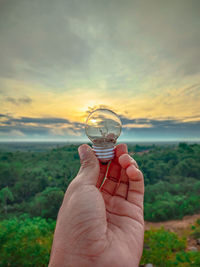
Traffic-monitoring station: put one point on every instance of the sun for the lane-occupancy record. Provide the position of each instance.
(94, 121)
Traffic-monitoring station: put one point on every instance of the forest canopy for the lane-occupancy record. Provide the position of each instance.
(33, 180)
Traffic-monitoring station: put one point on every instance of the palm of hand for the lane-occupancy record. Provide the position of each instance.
(106, 220)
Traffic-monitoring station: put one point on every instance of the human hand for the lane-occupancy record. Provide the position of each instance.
(101, 225)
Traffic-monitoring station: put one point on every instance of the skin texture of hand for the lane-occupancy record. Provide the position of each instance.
(101, 224)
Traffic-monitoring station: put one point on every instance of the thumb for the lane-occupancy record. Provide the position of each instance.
(89, 170)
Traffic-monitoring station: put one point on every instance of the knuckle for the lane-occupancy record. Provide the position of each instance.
(89, 162)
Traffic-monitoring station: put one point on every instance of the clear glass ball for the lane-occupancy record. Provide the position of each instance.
(103, 127)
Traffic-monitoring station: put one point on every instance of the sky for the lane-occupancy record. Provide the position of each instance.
(61, 59)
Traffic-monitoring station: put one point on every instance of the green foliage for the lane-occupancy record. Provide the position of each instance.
(47, 203)
(160, 247)
(42, 174)
(172, 179)
(5, 195)
(165, 200)
(37, 180)
(165, 249)
(196, 230)
(186, 259)
(33, 181)
(25, 242)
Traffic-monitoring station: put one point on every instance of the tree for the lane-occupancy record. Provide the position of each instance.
(25, 242)
(160, 247)
(5, 195)
(47, 203)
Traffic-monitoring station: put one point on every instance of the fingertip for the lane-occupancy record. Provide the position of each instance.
(84, 147)
(124, 161)
(89, 169)
(85, 151)
(133, 173)
(120, 150)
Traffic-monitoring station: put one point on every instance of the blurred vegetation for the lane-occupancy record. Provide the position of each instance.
(32, 186)
(34, 182)
(25, 241)
(165, 249)
(172, 181)
(196, 230)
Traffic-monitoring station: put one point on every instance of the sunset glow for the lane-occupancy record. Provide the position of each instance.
(58, 64)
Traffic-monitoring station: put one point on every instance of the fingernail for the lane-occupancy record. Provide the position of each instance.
(134, 162)
(130, 157)
(82, 152)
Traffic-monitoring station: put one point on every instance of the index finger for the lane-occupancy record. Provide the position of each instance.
(115, 168)
(114, 165)
(120, 150)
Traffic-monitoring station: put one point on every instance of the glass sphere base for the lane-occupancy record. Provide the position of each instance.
(104, 154)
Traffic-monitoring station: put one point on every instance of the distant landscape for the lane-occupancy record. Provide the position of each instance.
(34, 177)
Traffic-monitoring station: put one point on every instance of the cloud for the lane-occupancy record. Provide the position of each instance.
(45, 121)
(66, 131)
(12, 133)
(93, 108)
(161, 124)
(72, 41)
(136, 56)
(19, 101)
(25, 129)
(137, 125)
(37, 40)
(142, 128)
(169, 129)
(48, 127)
(127, 120)
(3, 116)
